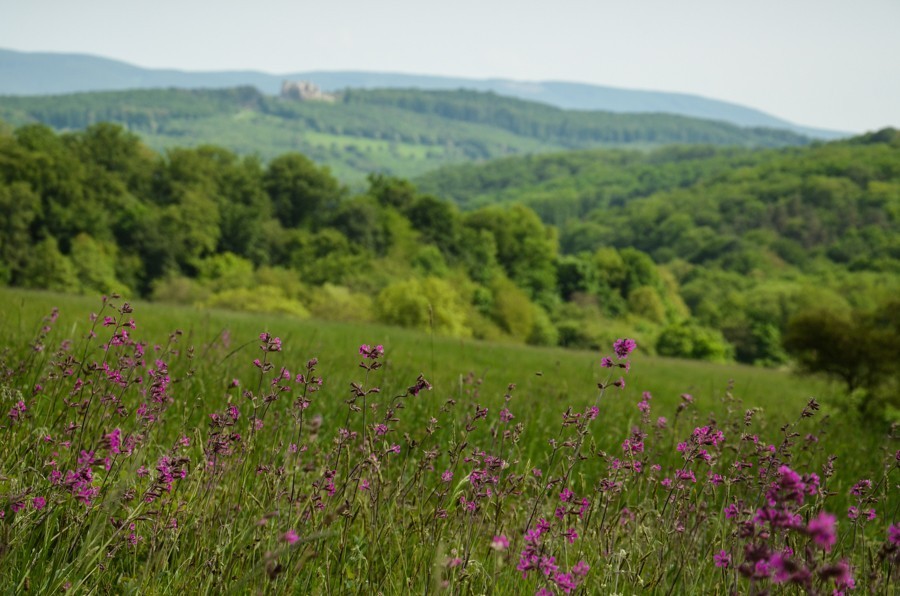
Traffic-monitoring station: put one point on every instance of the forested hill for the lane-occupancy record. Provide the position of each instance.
(839, 200)
(697, 252)
(35, 73)
(397, 132)
(747, 235)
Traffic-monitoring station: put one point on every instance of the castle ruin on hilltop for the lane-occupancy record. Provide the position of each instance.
(304, 91)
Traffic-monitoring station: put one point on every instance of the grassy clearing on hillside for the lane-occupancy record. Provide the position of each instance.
(216, 474)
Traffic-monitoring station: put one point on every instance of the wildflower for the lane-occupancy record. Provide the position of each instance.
(500, 543)
(722, 559)
(447, 476)
(624, 347)
(822, 530)
(581, 569)
(565, 582)
(291, 537)
(861, 487)
(421, 383)
(371, 352)
(894, 534)
(39, 503)
(364, 484)
(566, 495)
(115, 441)
(606, 362)
(842, 575)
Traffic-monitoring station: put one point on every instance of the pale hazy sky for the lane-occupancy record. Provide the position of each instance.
(827, 63)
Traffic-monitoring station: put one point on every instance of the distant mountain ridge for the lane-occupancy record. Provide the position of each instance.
(401, 132)
(26, 73)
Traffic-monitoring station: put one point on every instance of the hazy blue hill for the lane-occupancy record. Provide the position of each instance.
(46, 73)
(404, 132)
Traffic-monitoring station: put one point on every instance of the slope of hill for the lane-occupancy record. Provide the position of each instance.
(750, 238)
(24, 73)
(400, 132)
(837, 200)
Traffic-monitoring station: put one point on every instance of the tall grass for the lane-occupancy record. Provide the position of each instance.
(145, 449)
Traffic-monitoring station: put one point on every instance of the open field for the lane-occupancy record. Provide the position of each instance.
(179, 464)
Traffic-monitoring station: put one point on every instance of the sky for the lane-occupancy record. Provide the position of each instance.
(823, 63)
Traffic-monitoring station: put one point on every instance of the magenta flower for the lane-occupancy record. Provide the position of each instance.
(500, 543)
(581, 569)
(894, 534)
(822, 530)
(722, 559)
(39, 503)
(291, 537)
(370, 352)
(624, 347)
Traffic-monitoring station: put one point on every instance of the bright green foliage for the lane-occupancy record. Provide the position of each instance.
(95, 266)
(645, 302)
(339, 303)
(426, 304)
(526, 249)
(49, 269)
(267, 299)
(225, 270)
(686, 340)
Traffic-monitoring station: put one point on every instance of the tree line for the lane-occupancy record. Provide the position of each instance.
(700, 253)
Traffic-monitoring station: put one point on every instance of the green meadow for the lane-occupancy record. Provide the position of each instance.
(180, 464)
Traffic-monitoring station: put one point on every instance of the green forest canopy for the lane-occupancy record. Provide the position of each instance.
(698, 252)
(395, 132)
